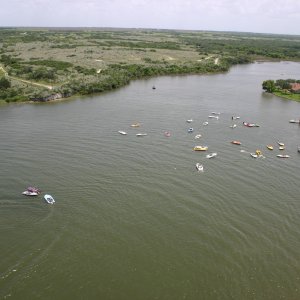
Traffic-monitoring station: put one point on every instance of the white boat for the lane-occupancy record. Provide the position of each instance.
(232, 126)
(49, 199)
(28, 193)
(189, 120)
(141, 134)
(122, 132)
(190, 130)
(257, 154)
(280, 144)
(214, 117)
(215, 113)
(199, 167)
(254, 155)
(283, 156)
(205, 123)
(295, 121)
(211, 155)
(198, 136)
(234, 118)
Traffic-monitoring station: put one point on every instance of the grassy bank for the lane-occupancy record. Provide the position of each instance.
(39, 63)
(289, 96)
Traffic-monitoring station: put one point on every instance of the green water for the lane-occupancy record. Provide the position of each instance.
(133, 218)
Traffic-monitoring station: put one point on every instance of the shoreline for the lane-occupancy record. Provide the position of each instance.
(58, 97)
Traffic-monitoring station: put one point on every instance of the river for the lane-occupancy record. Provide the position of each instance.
(133, 218)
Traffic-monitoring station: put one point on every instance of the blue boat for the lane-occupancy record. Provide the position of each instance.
(190, 130)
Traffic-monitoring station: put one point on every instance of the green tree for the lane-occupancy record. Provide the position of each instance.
(4, 83)
(269, 86)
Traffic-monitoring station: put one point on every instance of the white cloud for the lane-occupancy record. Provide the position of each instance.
(282, 16)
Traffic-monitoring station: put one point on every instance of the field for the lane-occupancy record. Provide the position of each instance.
(40, 63)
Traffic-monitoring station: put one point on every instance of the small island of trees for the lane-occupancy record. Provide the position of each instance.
(285, 88)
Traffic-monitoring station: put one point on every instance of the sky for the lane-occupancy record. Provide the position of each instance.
(261, 16)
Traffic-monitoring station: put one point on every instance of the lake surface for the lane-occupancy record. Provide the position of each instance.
(133, 218)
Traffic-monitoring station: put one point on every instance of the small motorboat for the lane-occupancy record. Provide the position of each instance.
(27, 193)
(257, 154)
(250, 124)
(198, 136)
(167, 133)
(215, 113)
(205, 123)
(234, 118)
(135, 125)
(299, 149)
(122, 132)
(281, 147)
(214, 117)
(189, 120)
(153, 87)
(295, 121)
(270, 147)
(232, 126)
(199, 167)
(211, 155)
(283, 156)
(200, 148)
(141, 134)
(280, 144)
(49, 199)
(31, 191)
(236, 142)
(254, 155)
(190, 130)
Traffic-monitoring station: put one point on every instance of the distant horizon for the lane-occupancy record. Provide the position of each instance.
(256, 16)
(141, 28)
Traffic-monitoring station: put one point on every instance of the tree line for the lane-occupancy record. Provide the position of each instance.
(271, 86)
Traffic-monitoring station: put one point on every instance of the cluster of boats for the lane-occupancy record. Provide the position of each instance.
(33, 191)
(216, 115)
(256, 154)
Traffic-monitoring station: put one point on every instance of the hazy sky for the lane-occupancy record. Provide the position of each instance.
(269, 16)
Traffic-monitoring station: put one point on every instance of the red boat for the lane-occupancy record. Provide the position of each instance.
(250, 124)
(236, 142)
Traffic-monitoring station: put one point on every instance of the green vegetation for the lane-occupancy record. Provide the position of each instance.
(285, 88)
(39, 63)
(4, 83)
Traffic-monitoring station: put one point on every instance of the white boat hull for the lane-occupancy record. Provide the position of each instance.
(199, 167)
(211, 155)
(27, 193)
(122, 132)
(49, 199)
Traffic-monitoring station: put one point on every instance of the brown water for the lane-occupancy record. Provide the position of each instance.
(133, 219)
